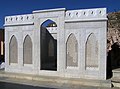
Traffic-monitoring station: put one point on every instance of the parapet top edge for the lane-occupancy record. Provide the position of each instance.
(19, 18)
(49, 10)
(86, 13)
(18, 15)
(88, 9)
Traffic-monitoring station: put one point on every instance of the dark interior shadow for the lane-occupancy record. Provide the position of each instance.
(115, 56)
(5, 85)
(113, 59)
(109, 66)
(48, 51)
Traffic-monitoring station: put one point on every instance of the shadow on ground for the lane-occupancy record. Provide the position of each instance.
(4, 85)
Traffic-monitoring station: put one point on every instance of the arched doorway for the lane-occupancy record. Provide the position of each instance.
(48, 45)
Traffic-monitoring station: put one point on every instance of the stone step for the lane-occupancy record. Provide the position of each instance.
(116, 77)
(55, 80)
(116, 72)
(116, 82)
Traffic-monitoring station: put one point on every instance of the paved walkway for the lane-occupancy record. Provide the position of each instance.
(49, 82)
(25, 84)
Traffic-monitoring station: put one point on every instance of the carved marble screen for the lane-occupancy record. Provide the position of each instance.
(27, 50)
(72, 51)
(13, 50)
(91, 52)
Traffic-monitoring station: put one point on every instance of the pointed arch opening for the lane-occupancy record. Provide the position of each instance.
(49, 23)
(72, 51)
(91, 51)
(13, 50)
(27, 50)
(48, 45)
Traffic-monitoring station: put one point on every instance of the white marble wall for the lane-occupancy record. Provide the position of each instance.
(79, 22)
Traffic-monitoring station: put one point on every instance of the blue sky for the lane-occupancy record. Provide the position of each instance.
(14, 7)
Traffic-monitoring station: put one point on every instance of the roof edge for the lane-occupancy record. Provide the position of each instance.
(49, 10)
